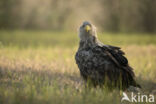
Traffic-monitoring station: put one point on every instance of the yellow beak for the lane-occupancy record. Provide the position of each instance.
(87, 28)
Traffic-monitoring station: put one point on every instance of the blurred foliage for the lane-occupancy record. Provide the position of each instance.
(107, 15)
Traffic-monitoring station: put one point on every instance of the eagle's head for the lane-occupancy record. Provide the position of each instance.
(87, 31)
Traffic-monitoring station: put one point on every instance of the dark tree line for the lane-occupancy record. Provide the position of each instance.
(108, 15)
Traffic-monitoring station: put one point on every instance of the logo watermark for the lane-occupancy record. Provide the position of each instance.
(138, 98)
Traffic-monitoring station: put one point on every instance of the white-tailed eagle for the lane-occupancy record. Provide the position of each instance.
(102, 64)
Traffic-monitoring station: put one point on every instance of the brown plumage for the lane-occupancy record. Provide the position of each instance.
(102, 65)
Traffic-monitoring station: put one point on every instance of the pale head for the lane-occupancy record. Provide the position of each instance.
(87, 31)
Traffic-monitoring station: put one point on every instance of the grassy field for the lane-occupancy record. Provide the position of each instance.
(38, 67)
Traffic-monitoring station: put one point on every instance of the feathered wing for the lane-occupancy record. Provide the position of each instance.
(102, 63)
(117, 56)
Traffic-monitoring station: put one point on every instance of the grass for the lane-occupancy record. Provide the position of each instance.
(38, 67)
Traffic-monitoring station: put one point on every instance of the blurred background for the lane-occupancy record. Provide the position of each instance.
(38, 42)
(107, 15)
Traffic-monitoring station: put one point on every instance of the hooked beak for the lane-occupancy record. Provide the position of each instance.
(87, 28)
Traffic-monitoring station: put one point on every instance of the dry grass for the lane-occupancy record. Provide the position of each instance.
(47, 73)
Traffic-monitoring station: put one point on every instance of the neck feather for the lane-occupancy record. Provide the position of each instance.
(89, 42)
